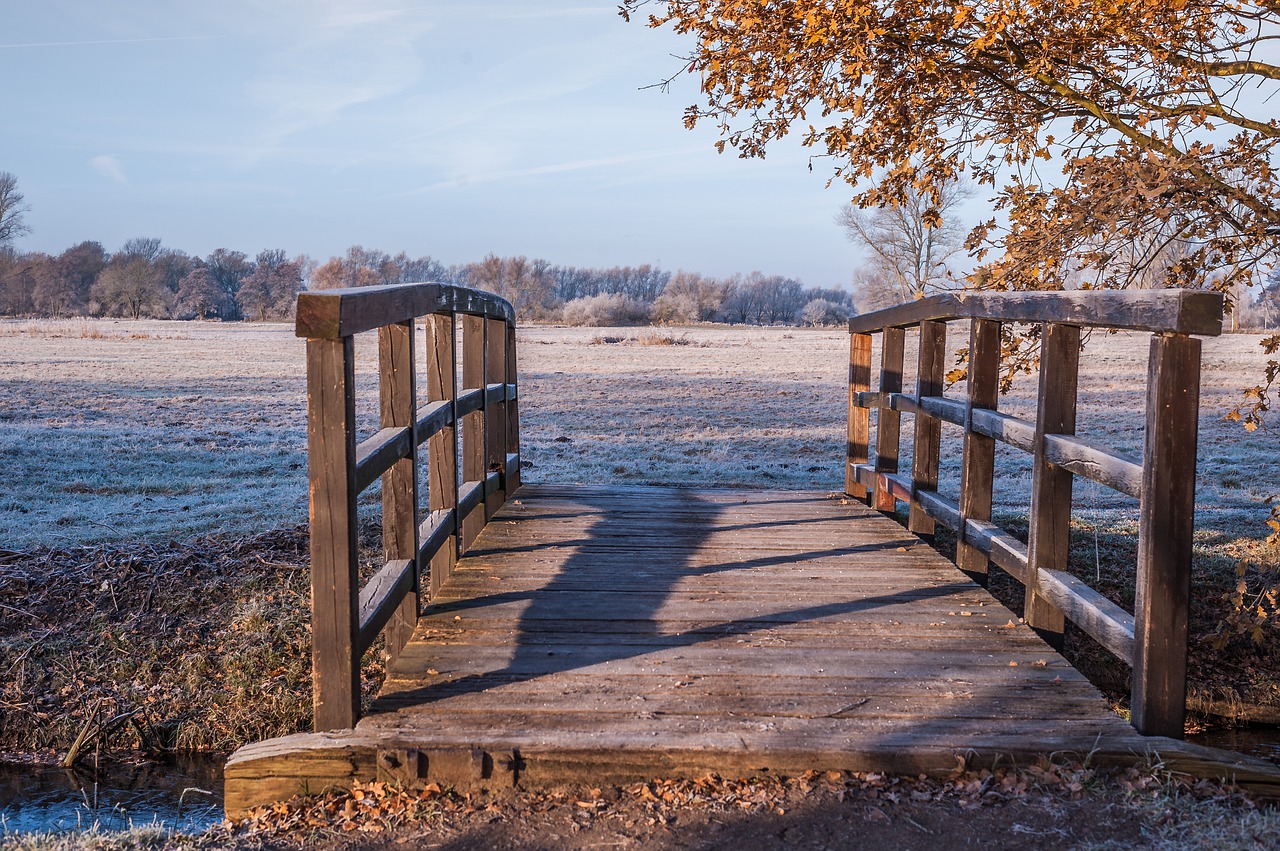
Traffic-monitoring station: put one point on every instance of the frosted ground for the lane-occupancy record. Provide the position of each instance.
(115, 430)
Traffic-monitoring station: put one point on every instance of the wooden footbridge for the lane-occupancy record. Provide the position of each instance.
(540, 634)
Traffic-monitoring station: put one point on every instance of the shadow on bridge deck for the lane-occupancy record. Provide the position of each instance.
(611, 634)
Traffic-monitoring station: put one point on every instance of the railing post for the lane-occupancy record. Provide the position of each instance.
(1165, 531)
(473, 424)
(495, 416)
(888, 421)
(927, 441)
(1049, 538)
(442, 447)
(331, 453)
(398, 409)
(513, 413)
(859, 431)
(977, 470)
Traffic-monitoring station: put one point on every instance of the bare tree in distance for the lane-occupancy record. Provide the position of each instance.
(12, 208)
(910, 242)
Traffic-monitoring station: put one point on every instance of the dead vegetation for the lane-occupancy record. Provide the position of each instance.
(199, 645)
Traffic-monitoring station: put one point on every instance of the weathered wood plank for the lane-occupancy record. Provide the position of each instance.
(859, 427)
(398, 408)
(442, 447)
(513, 413)
(977, 466)
(378, 452)
(473, 430)
(1085, 458)
(331, 454)
(888, 422)
(927, 435)
(1166, 526)
(495, 417)
(380, 599)
(1049, 536)
(1160, 311)
(332, 314)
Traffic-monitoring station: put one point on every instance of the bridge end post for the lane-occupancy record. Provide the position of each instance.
(1166, 529)
(977, 471)
(331, 452)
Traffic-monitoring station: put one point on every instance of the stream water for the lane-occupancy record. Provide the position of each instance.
(183, 795)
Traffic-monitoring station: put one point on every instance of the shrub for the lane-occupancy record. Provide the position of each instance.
(605, 309)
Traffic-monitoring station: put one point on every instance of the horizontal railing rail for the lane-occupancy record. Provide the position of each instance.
(478, 422)
(1152, 639)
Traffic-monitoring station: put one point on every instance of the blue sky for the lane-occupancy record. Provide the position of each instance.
(441, 128)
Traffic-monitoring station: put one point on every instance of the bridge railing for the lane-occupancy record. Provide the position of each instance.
(1152, 639)
(477, 422)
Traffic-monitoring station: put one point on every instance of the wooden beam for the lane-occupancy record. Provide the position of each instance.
(379, 452)
(977, 466)
(1178, 311)
(888, 422)
(381, 600)
(513, 412)
(398, 409)
(331, 314)
(442, 447)
(927, 442)
(859, 428)
(331, 456)
(495, 418)
(1091, 461)
(1166, 527)
(1049, 538)
(474, 455)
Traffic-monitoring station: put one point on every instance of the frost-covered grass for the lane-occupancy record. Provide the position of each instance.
(111, 430)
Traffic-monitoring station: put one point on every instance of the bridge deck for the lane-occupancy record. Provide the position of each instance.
(613, 633)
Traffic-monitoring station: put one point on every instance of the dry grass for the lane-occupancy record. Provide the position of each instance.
(114, 451)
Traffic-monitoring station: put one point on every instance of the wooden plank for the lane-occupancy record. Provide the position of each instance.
(1087, 459)
(469, 402)
(474, 453)
(888, 422)
(857, 445)
(433, 418)
(331, 314)
(381, 599)
(398, 409)
(1049, 535)
(331, 458)
(927, 442)
(495, 410)
(442, 447)
(1017, 433)
(1166, 526)
(379, 452)
(977, 465)
(513, 413)
(1161, 311)
(435, 535)
(1108, 624)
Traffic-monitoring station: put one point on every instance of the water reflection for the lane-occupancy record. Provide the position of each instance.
(184, 795)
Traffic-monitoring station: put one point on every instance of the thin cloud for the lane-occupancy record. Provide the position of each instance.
(108, 41)
(553, 168)
(109, 167)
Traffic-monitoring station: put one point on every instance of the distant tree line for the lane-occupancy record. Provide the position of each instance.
(145, 279)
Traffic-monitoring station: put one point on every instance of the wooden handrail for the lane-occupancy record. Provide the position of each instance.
(419, 553)
(1153, 639)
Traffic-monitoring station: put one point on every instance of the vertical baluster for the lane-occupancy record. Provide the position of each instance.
(859, 433)
(513, 414)
(496, 415)
(1165, 531)
(398, 409)
(978, 464)
(927, 442)
(473, 425)
(1050, 534)
(442, 447)
(331, 454)
(888, 421)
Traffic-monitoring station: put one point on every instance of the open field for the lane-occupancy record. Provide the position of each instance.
(113, 430)
(153, 556)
